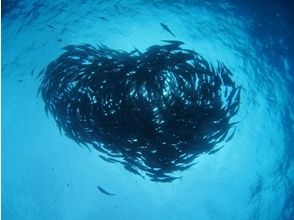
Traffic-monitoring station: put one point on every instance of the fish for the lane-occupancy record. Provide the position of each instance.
(102, 18)
(228, 80)
(231, 135)
(215, 150)
(51, 27)
(167, 179)
(104, 191)
(133, 170)
(109, 160)
(165, 27)
(138, 51)
(41, 72)
(177, 42)
(172, 44)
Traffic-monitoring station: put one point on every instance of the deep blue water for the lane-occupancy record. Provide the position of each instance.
(46, 175)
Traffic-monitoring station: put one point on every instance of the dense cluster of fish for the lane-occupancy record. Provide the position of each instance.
(154, 111)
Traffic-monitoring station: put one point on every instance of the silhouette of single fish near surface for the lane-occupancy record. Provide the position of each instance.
(103, 18)
(52, 27)
(104, 191)
(165, 27)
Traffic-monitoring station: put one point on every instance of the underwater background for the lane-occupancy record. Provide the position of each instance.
(46, 175)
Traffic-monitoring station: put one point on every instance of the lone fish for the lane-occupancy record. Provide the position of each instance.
(165, 27)
(104, 191)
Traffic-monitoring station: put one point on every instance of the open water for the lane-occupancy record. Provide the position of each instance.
(46, 175)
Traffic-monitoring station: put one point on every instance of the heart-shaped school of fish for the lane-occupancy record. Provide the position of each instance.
(153, 111)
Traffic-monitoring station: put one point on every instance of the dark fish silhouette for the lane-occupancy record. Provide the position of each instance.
(109, 160)
(167, 179)
(104, 191)
(133, 170)
(231, 136)
(42, 71)
(138, 51)
(165, 27)
(215, 150)
(51, 27)
(173, 42)
(102, 18)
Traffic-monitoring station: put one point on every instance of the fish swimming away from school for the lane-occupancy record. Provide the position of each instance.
(153, 111)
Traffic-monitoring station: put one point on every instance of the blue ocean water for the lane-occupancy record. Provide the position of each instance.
(46, 175)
